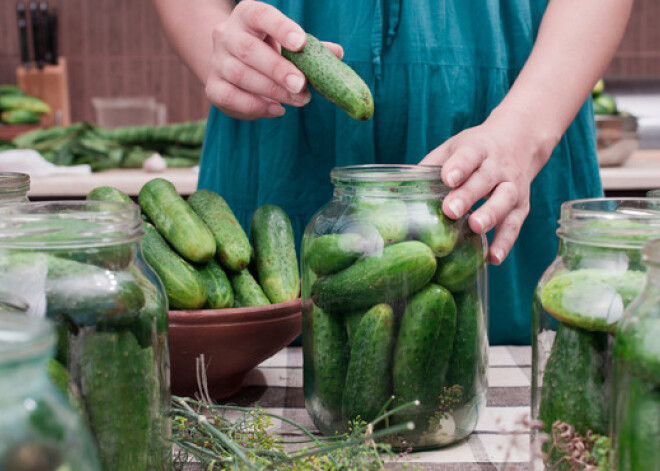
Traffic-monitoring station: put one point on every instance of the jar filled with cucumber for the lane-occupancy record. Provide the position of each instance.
(80, 264)
(578, 303)
(39, 428)
(14, 187)
(394, 312)
(636, 376)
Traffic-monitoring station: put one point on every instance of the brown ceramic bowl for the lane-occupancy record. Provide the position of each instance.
(233, 342)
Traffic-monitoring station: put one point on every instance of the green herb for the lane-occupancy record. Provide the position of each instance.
(571, 451)
(205, 433)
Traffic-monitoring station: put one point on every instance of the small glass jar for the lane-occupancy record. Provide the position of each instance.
(636, 376)
(79, 263)
(578, 302)
(394, 305)
(39, 430)
(14, 187)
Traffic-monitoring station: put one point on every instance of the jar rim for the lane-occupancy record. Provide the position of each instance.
(14, 182)
(68, 224)
(385, 173)
(610, 222)
(24, 338)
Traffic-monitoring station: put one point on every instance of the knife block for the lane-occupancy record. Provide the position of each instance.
(50, 84)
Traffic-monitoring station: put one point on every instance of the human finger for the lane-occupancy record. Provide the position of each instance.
(336, 49)
(240, 104)
(506, 234)
(256, 53)
(438, 155)
(461, 198)
(502, 201)
(264, 19)
(253, 81)
(460, 165)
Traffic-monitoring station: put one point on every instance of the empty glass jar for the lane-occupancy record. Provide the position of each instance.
(39, 430)
(578, 303)
(393, 305)
(79, 263)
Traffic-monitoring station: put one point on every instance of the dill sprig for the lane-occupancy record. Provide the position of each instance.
(204, 433)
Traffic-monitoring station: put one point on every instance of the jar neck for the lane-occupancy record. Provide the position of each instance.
(388, 181)
(14, 187)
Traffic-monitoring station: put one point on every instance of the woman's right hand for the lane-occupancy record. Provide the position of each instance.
(247, 76)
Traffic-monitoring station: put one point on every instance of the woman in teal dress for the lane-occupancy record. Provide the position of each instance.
(494, 90)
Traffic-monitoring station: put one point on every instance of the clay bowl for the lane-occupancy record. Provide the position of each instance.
(233, 342)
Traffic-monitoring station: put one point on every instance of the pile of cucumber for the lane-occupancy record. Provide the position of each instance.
(18, 108)
(395, 311)
(202, 254)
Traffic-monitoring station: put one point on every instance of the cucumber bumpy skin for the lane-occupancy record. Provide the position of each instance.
(333, 79)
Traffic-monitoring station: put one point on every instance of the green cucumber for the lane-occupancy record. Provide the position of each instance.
(220, 293)
(119, 382)
(325, 379)
(184, 286)
(399, 271)
(234, 250)
(461, 268)
(387, 215)
(591, 299)
(368, 378)
(468, 359)
(574, 381)
(428, 224)
(422, 352)
(247, 291)
(153, 319)
(275, 253)
(333, 252)
(79, 293)
(59, 375)
(638, 346)
(9, 89)
(23, 102)
(176, 221)
(20, 117)
(108, 193)
(637, 440)
(351, 322)
(333, 79)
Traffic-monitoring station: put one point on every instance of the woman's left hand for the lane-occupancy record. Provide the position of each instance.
(496, 160)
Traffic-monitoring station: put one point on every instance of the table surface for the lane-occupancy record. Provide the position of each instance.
(500, 441)
(640, 172)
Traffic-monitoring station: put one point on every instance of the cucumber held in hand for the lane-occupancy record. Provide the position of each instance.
(333, 78)
(176, 220)
(275, 253)
(233, 246)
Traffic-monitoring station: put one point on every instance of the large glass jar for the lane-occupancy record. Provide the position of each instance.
(578, 302)
(80, 264)
(636, 376)
(39, 430)
(14, 187)
(393, 305)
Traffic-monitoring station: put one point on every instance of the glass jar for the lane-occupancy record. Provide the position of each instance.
(577, 304)
(393, 305)
(39, 430)
(636, 376)
(14, 187)
(80, 264)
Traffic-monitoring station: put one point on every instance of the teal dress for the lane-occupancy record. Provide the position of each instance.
(435, 67)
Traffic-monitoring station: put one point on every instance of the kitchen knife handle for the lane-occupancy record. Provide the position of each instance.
(23, 34)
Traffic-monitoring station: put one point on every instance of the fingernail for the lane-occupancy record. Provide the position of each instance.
(482, 220)
(456, 206)
(276, 110)
(302, 100)
(453, 178)
(295, 40)
(498, 255)
(294, 83)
